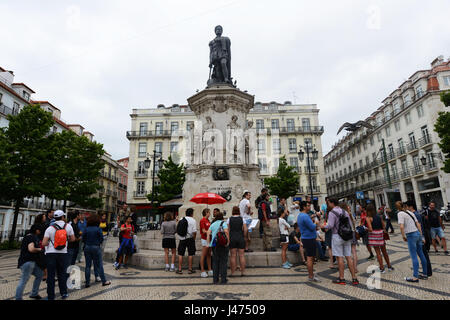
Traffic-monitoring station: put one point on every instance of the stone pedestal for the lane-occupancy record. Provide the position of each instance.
(223, 149)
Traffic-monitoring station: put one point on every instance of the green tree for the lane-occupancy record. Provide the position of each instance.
(172, 177)
(285, 183)
(442, 127)
(24, 153)
(76, 168)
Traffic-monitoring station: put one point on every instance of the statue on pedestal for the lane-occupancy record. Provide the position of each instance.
(220, 59)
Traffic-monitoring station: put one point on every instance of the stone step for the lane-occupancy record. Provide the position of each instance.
(152, 260)
(256, 244)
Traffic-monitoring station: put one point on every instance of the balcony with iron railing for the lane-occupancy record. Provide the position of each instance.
(155, 133)
(141, 174)
(412, 146)
(140, 194)
(401, 151)
(314, 169)
(416, 170)
(430, 167)
(315, 189)
(424, 141)
(7, 110)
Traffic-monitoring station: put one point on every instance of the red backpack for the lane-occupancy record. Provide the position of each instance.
(60, 237)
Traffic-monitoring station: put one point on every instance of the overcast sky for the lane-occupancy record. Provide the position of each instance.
(97, 60)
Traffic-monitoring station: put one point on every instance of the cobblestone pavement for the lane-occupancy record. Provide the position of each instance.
(260, 283)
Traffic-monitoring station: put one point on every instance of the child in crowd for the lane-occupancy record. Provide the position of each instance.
(295, 244)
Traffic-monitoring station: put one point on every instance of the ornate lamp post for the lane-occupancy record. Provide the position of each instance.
(315, 156)
(157, 157)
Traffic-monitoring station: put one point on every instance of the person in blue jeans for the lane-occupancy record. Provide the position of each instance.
(29, 263)
(93, 238)
(412, 233)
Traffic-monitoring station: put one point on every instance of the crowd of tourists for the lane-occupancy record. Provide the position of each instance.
(329, 234)
(54, 243)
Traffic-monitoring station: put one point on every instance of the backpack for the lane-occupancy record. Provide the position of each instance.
(344, 230)
(60, 237)
(182, 227)
(221, 238)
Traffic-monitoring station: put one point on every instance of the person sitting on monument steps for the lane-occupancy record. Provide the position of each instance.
(187, 232)
(246, 213)
(127, 246)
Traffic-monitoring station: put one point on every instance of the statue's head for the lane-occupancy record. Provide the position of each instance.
(218, 30)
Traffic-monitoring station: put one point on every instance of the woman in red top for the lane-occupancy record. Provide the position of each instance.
(206, 249)
(127, 245)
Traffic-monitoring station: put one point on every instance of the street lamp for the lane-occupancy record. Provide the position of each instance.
(157, 157)
(315, 156)
(424, 159)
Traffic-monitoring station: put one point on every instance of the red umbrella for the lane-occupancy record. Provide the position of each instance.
(208, 198)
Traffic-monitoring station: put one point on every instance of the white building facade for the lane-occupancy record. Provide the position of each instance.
(280, 130)
(410, 169)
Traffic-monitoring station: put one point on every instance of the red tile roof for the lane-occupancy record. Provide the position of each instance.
(24, 85)
(44, 102)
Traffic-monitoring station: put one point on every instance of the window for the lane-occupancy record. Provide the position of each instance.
(159, 128)
(262, 163)
(174, 126)
(391, 151)
(374, 156)
(142, 149)
(173, 147)
(140, 167)
(359, 149)
(371, 141)
(353, 153)
(404, 166)
(1, 96)
(419, 91)
(416, 162)
(158, 147)
(306, 124)
(379, 136)
(308, 142)
(189, 124)
(388, 131)
(290, 125)
(361, 163)
(26, 95)
(355, 167)
(425, 135)
(143, 128)
(367, 160)
(420, 111)
(401, 145)
(348, 155)
(140, 188)
(412, 140)
(16, 107)
(408, 118)
(397, 125)
(275, 124)
(447, 80)
(293, 162)
(259, 124)
(276, 146)
(261, 146)
(396, 107)
(365, 146)
(407, 99)
(292, 145)
(387, 115)
(2, 219)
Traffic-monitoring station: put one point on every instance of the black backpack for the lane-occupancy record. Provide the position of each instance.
(345, 229)
(182, 227)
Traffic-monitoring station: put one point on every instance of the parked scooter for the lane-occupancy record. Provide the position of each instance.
(445, 213)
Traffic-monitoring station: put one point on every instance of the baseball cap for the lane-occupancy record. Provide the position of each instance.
(59, 213)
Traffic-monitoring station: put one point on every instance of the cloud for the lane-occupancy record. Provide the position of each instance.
(98, 60)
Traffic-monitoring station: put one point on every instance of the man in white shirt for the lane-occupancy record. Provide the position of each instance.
(188, 242)
(57, 259)
(245, 210)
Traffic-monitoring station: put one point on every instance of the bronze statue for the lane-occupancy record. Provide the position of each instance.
(220, 59)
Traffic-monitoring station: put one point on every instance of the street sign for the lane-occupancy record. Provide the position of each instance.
(360, 195)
